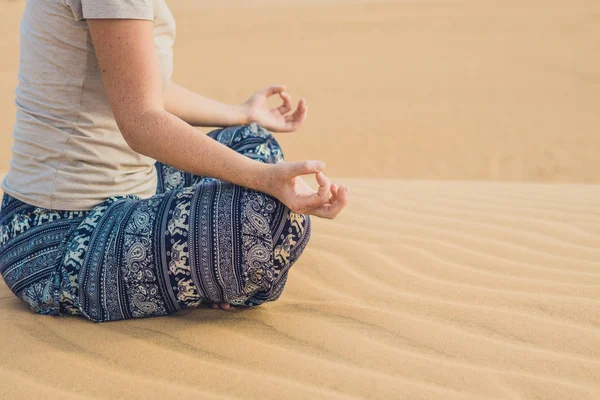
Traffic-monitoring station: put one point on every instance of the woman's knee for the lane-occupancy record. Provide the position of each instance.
(288, 245)
(292, 238)
(267, 148)
(252, 140)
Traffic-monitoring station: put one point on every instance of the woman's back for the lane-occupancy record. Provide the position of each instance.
(68, 152)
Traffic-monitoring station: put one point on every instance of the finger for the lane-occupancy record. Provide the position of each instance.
(331, 211)
(336, 204)
(305, 167)
(320, 198)
(271, 90)
(324, 190)
(300, 111)
(300, 114)
(311, 202)
(333, 192)
(287, 104)
(298, 117)
(302, 107)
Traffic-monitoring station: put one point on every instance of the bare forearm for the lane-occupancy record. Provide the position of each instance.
(198, 110)
(166, 138)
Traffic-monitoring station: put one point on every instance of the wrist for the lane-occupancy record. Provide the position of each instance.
(243, 114)
(264, 178)
(238, 115)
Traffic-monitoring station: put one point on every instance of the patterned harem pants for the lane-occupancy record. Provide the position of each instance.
(197, 240)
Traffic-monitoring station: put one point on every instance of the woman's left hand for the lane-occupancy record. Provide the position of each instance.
(275, 119)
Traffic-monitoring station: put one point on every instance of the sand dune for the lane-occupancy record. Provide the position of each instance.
(449, 290)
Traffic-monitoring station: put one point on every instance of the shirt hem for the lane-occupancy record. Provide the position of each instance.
(47, 204)
(66, 205)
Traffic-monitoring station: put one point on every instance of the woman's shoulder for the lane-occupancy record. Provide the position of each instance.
(111, 9)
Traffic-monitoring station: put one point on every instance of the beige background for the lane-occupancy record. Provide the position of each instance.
(438, 289)
(505, 90)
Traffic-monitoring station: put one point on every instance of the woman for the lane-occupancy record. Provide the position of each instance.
(115, 207)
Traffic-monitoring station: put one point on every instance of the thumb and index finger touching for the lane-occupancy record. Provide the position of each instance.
(306, 167)
(275, 89)
(323, 193)
(329, 199)
(287, 99)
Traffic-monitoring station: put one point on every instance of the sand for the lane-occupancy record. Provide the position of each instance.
(446, 290)
(445, 278)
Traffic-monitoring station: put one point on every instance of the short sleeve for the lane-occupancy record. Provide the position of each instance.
(112, 9)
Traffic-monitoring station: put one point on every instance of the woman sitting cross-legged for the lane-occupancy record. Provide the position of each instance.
(115, 207)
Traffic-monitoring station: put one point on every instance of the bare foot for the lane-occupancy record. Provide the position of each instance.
(223, 306)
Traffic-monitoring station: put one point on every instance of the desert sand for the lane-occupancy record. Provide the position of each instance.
(467, 265)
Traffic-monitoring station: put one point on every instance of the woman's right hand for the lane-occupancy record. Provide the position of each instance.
(284, 182)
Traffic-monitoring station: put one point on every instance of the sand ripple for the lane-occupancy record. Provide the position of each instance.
(447, 290)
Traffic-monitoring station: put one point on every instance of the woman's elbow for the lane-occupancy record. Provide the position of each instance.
(139, 131)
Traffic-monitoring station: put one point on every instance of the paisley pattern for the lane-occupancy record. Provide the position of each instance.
(197, 240)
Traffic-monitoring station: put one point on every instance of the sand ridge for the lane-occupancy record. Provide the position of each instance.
(450, 290)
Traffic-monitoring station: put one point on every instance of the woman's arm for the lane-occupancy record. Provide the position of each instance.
(130, 71)
(198, 110)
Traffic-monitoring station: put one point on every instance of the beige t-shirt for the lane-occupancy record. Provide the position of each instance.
(68, 152)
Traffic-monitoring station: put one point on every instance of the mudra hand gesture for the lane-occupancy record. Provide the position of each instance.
(275, 119)
(283, 179)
